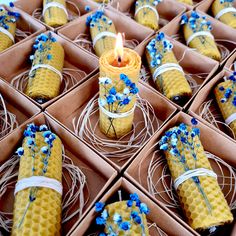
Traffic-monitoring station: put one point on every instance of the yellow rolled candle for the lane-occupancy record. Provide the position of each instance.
(118, 84)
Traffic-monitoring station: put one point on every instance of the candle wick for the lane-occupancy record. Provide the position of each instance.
(119, 60)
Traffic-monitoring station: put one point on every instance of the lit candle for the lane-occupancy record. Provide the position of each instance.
(119, 75)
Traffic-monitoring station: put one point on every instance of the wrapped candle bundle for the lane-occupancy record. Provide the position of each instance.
(118, 81)
(45, 75)
(167, 74)
(188, 2)
(146, 13)
(197, 35)
(196, 184)
(103, 32)
(224, 11)
(38, 191)
(123, 217)
(226, 99)
(7, 27)
(55, 13)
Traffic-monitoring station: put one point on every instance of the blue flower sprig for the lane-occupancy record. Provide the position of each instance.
(157, 47)
(179, 139)
(123, 226)
(226, 1)
(196, 22)
(229, 92)
(44, 153)
(95, 18)
(8, 16)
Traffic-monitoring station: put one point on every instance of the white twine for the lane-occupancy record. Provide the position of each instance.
(123, 148)
(166, 67)
(38, 181)
(72, 177)
(160, 183)
(230, 119)
(193, 173)
(149, 7)
(197, 34)
(224, 11)
(55, 4)
(7, 120)
(84, 41)
(6, 32)
(46, 66)
(153, 226)
(70, 78)
(209, 112)
(115, 115)
(102, 35)
(20, 34)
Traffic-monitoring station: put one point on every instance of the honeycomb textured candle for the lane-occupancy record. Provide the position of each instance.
(229, 17)
(117, 93)
(103, 32)
(7, 23)
(124, 217)
(146, 13)
(197, 34)
(37, 210)
(172, 83)
(201, 197)
(44, 83)
(55, 16)
(224, 93)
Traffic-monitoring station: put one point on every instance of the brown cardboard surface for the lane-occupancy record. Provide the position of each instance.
(229, 63)
(36, 4)
(212, 142)
(221, 32)
(71, 106)
(17, 104)
(191, 62)
(123, 24)
(27, 24)
(206, 94)
(157, 214)
(74, 58)
(90, 164)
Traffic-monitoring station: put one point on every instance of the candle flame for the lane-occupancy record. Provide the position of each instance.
(119, 49)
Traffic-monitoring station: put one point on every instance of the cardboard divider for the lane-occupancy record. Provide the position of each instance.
(74, 58)
(93, 166)
(17, 104)
(205, 6)
(206, 94)
(212, 142)
(191, 62)
(167, 10)
(157, 215)
(72, 105)
(123, 24)
(222, 33)
(229, 65)
(38, 4)
(26, 24)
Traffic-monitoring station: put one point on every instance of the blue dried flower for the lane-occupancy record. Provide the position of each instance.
(20, 151)
(125, 226)
(129, 203)
(43, 128)
(144, 208)
(45, 150)
(134, 197)
(111, 99)
(100, 221)
(164, 147)
(49, 56)
(138, 220)
(126, 101)
(87, 8)
(221, 88)
(99, 206)
(104, 214)
(11, 4)
(47, 133)
(194, 121)
(30, 142)
(117, 218)
(134, 91)
(102, 234)
(196, 131)
(134, 214)
(112, 91)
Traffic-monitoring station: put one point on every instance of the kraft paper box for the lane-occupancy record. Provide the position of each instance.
(37, 6)
(223, 34)
(206, 94)
(157, 215)
(191, 62)
(123, 24)
(167, 10)
(230, 62)
(99, 174)
(72, 105)
(205, 6)
(212, 141)
(75, 58)
(17, 104)
(26, 24)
